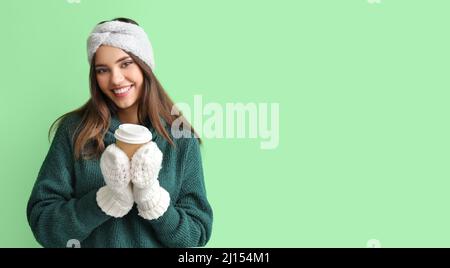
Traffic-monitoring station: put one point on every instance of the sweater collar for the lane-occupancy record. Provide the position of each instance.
(114, 123)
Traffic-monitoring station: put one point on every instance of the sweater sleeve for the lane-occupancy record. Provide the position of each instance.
(54, 215)
(188, 220)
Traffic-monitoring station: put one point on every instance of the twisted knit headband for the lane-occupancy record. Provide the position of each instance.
(126, 36)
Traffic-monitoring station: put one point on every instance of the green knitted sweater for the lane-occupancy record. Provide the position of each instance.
(63, 206)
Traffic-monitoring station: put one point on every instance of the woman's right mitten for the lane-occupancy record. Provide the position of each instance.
(116, 197)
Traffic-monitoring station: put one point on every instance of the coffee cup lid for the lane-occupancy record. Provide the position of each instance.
(133, 134)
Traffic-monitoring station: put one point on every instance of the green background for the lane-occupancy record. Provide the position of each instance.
(363, 93)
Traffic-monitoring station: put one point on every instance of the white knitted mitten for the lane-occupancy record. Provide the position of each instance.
(152, 200)
(116, 198)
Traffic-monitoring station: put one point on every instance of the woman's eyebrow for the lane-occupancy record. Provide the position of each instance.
(119, 60)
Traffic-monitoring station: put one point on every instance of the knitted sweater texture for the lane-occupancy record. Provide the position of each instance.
(63, 206)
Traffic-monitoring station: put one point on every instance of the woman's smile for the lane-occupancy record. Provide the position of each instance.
(122, 91)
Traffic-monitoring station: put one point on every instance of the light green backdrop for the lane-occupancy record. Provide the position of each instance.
(363, 90)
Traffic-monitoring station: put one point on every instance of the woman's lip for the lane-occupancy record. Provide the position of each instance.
(125, 93)
(121, 87)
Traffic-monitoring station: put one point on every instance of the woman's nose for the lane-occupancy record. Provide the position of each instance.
(117, 78)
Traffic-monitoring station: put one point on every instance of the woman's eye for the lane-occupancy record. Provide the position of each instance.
(125, 64)
(100, 71)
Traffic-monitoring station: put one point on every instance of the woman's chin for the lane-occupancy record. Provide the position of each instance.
(124, 106)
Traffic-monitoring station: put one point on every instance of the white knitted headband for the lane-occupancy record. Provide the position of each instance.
(126, 36)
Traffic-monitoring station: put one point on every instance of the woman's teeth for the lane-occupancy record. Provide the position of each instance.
(122, 91)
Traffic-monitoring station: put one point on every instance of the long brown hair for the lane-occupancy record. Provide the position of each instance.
(154, 104)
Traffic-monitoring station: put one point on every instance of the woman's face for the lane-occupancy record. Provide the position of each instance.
(118, 76)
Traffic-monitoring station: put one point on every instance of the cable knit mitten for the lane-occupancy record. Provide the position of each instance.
(152, 200)
(116, 198)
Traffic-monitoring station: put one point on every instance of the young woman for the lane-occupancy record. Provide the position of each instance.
(88, 190)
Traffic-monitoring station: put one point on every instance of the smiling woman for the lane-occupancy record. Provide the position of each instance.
(87, 186)
(120, 79)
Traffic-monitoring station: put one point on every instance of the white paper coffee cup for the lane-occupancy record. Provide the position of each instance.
(129, 137)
